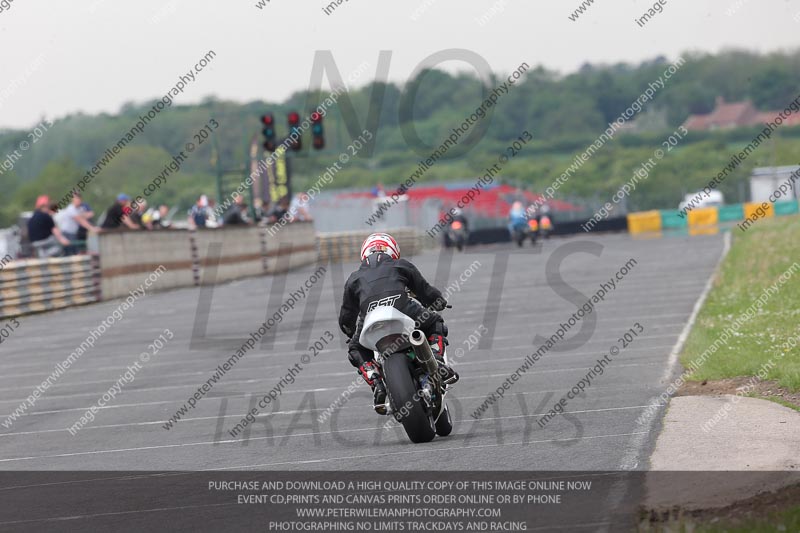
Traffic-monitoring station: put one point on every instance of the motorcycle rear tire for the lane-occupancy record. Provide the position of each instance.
(405, 400)
(444, 425)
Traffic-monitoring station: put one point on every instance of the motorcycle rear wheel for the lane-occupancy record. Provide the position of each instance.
(444, 425)
(405, 400)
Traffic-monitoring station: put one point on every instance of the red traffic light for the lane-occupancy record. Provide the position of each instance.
(294, 118)
(316, 117)
(267, 119)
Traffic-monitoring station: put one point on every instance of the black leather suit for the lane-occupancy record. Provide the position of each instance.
(379, 277)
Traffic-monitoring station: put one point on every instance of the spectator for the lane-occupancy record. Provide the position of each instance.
(88, 215)
(70, 220)
(279, 211)
(213, 220)
(198, 215)
(119, 214)
(298, 210)
(258, 210)
(137, 216)
(43, 233)
(160, 218)
(236, 215)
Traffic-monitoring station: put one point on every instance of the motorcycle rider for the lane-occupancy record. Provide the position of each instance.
(383, 274)
(517, 218)
(458, 216)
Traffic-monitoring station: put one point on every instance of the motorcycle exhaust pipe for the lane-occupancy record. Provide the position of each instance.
(422, 350)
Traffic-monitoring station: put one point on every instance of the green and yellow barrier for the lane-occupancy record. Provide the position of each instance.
(705, 220)
(755, 210)
(731, 213)
(790, 207)
(644, 223)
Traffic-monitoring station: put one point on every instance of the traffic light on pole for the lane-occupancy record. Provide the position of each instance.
(295, 137)
(316, 131)
(268, 121)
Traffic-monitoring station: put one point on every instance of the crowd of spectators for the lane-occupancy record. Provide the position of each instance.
(53, 232)
(202, 214)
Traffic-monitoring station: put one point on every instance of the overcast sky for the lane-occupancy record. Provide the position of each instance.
(63, 57)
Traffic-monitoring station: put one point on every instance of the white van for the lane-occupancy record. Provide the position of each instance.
(714, 199)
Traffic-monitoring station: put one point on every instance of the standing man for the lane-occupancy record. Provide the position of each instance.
(88, 215)
(71, 219)
(46, 238)
(198, 215)
(119, 214)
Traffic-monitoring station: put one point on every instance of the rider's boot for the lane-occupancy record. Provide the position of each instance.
(370, 373)
(438, 344)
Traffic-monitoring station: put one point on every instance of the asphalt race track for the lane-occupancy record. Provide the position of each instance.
(598, 432)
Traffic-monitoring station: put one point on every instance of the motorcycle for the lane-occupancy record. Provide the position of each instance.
(415, 385)
(533, 230)
(457, 235)
(545, 226)
(525, 230)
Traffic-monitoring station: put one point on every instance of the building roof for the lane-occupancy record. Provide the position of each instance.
(725, 115)
(772, 171)
(735, 115)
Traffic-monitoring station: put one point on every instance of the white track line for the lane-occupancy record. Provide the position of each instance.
(290, 412)
(630, 460)
(293, 435)
(425, 450)
(271, 379)
(294, 412)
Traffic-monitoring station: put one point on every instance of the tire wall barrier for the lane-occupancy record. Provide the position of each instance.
(200, 257)
(346, 246)
(35, 285)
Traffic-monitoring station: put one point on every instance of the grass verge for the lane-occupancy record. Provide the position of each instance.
(742, 330)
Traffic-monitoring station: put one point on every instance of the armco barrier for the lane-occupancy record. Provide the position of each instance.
(35, 285)
(127, 256)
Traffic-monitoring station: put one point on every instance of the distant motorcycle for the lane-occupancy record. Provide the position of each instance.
(525, 230)
(545, 226)
(457, 235)
(415, 386)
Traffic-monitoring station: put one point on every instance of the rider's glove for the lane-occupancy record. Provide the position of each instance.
(439, 304)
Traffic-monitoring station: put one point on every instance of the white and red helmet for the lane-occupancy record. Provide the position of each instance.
(380, 242)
